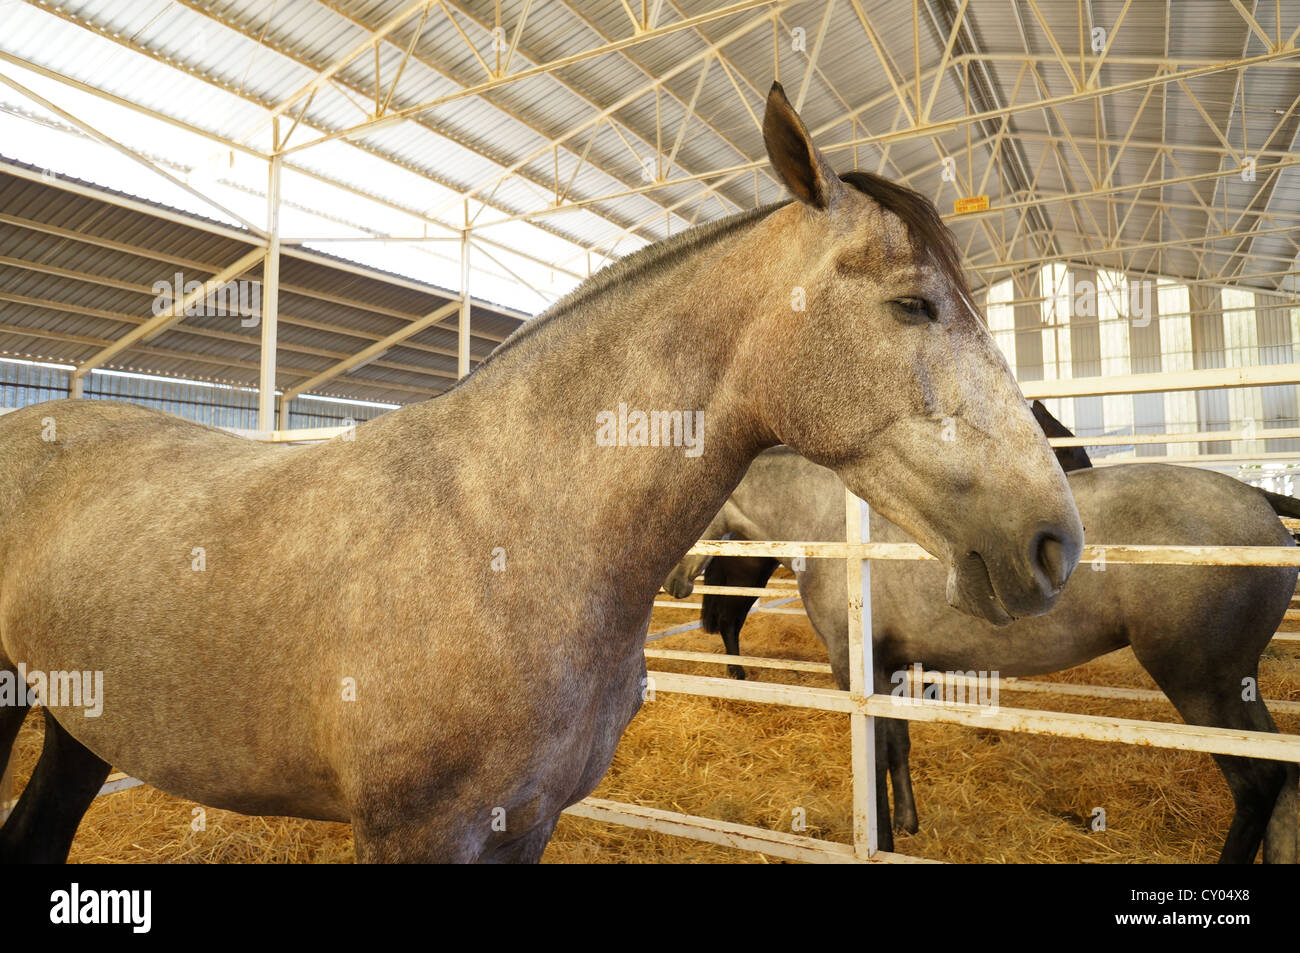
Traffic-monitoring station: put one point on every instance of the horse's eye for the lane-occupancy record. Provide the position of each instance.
(918, 309)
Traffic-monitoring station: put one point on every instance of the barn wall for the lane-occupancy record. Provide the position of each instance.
(218, 405)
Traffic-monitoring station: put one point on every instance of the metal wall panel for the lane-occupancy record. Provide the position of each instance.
(1144, 355)
(1208, 351)
(1029, 332)
(1273, 323)
(217, 405)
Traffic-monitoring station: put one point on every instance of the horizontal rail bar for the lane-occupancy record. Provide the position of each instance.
(1112, 553)
(300, 434)
(1162, 382)
(119, 782)
(1200, 436)
(666, 604)
(1099, 691)
(753, 661)
(1004, 684)
(770, 606)
(1253, 744)
(727, 834)
(733, 591)
(1207, 459)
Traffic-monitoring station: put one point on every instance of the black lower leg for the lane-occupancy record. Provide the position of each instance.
(1255, 786)
(66, 780)
(731, 643)
(11, 719)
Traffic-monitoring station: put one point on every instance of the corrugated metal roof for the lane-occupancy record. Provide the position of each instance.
(77, 272)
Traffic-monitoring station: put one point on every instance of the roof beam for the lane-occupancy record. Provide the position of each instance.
(214, 81)
(310, 88)
(225, 362)
(208, 332)
(604, 114)
(159, 322)
(1142, 246)
(479, 89)
(156, 255)
(374, 350)
(914, 132)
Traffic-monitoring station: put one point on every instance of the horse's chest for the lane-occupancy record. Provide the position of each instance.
(611, 694)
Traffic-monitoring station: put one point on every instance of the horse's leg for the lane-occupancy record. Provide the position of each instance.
(730, 632)
(900, 772)
(884, 742)
(1213, 698)
(43, 824)
(527, 849)
(1282, 836)
(11, 719)
(1256, 786)
(727, 614)
(431, 841)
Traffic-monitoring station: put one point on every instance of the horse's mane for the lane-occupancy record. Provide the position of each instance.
(928, 230)
(627, 268)
(917, 212)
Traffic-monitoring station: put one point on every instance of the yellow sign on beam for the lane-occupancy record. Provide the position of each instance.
(972, 203)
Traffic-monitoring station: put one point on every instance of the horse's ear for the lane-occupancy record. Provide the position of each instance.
(1045, 418)
(803, 169)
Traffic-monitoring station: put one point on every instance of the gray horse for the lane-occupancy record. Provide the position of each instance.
(365, 630)
(1198, 631)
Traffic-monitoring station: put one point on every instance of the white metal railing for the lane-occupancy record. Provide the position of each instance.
(862, 705)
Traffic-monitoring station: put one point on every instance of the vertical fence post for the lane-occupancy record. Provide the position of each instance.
(861, 680)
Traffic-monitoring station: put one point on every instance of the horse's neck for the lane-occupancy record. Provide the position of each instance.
(528, 426)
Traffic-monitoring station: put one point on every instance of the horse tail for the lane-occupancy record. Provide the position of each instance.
(750, 571)
(716, 611)
(1283, 505)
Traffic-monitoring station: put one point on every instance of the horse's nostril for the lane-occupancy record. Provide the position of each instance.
(1052, 560)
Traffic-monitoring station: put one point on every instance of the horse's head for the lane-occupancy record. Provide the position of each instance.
(1070, 458)
(877, 363)
(681, 581)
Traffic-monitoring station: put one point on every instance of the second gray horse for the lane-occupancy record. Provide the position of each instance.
(1198, 631)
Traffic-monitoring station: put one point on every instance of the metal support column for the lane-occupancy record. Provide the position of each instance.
(270, 293)
(462, 344)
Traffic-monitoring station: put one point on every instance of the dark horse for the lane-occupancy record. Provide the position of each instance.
(1198, 631)
(372, 635)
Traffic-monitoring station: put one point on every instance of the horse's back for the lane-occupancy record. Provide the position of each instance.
(55, 453)
(1163, 504)
(40, 433)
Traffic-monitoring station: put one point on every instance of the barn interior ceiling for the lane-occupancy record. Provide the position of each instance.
(535, 140)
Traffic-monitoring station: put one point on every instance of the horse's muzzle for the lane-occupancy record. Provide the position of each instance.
(679, 587)
(1001, 591)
